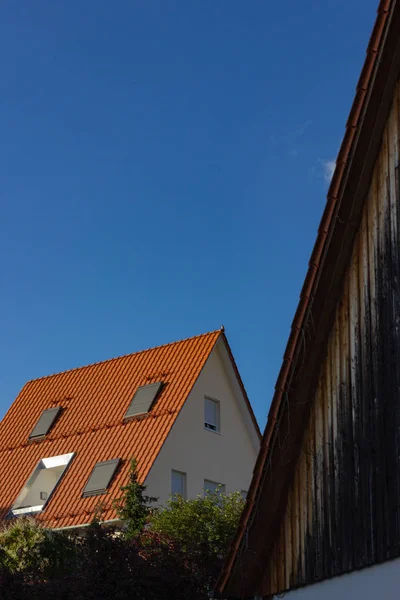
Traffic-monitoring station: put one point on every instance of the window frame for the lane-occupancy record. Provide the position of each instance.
(64, 460)
(132, 411)
(56, 410)
(210, 426)
(217, 484)
(101, 491)
(184, 478)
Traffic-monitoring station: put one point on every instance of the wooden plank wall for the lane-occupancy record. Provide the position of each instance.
(343, 506)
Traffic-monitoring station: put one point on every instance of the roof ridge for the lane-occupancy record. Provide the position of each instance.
(109, 360)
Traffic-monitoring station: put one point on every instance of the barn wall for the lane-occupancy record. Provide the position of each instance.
(343, 506)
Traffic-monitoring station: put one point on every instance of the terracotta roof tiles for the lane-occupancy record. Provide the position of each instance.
(94, 399)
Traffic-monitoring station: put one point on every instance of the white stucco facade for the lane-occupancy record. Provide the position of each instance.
(227, 457)
(373, 583)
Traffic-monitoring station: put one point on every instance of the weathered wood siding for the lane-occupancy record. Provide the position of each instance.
(343, 510)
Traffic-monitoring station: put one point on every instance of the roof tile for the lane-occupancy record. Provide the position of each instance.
(95, 399)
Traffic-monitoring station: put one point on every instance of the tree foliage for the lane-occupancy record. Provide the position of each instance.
(31, 554)
(203, 528)
(134, 506)
(21, 546)
(103, 566)
(174, 554)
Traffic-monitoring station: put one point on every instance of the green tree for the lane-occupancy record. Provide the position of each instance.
(20, 545)
(174, 554)
(31, 555)
(41, 564)
(134, 506)
(202, 528)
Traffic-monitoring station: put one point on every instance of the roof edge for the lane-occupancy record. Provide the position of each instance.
(241, 384)
(109, 360)
(337, 185)
(218, 334)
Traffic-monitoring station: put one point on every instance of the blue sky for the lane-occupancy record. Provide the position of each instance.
(162, 172)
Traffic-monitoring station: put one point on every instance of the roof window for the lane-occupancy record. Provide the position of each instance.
(143, 400)
(100, 478)
(46, 421)
(41, 484)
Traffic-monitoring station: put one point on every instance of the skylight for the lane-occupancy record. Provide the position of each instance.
(45, 422)
(143, 399)
(41, 484)
(100, 478)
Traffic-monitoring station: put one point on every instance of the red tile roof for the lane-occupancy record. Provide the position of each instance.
(94, 400)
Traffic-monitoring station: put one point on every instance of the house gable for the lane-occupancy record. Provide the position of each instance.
(226, 456)
(94, 400)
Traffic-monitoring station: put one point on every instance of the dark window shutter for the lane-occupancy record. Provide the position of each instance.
(46, 422)
(143, 399)
(100, 478)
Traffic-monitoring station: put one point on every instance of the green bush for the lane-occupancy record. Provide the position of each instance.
(21, 542)
(174, 553)
(203, 528)
(27, 547)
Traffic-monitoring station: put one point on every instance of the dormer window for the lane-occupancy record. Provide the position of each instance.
(143, 400)
(46, 421)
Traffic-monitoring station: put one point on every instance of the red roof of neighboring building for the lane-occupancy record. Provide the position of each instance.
(94, 400)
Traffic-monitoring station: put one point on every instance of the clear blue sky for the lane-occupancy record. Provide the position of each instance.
(162, 173)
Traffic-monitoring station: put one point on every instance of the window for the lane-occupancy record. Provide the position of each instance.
(178, 483)
(143, 400)
(45, 422)
(100, 478)
(213, 486)
(41, 484)
(211, 414)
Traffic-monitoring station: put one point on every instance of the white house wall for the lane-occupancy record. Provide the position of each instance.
(227, 457)
(374, 583)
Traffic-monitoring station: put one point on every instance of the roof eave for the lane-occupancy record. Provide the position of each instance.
(344, 179)
(241, 384)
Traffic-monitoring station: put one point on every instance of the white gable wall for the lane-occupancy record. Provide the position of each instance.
(226, 458)
(373, 583)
